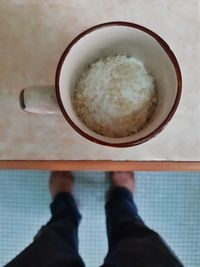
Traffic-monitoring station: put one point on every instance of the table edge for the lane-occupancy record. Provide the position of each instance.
(101, 165)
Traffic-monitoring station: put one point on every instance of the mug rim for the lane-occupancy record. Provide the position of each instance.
(172, 58)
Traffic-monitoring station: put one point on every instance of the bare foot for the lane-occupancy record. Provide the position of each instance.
(60, 181)
(123, 179)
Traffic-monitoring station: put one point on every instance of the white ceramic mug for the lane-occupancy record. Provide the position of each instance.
(108, 39)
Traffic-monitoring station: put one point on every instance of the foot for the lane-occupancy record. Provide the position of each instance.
(60, 181)
(123, 179)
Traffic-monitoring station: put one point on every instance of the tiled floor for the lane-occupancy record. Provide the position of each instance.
(168, 202)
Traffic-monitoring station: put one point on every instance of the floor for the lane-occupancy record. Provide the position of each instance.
(168, 202)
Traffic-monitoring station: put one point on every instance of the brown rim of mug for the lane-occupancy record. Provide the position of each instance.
(170, 55)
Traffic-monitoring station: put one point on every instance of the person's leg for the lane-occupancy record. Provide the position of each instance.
(56, 244)
(120, 206)
(131, 242)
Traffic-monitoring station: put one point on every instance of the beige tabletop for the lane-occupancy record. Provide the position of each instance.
(34, 33)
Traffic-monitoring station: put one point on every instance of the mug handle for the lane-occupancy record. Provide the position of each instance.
(39, 100)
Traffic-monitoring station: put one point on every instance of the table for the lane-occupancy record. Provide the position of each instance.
(34, 34)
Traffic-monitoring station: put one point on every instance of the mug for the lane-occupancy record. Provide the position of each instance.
(103, 40)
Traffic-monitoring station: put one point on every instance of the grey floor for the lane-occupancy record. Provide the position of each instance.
(168, 202)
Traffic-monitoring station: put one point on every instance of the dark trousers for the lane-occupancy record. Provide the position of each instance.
(131, 242)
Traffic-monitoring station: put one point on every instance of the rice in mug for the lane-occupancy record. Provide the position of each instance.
(116, 96)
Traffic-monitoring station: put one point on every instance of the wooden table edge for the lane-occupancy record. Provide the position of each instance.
(100, 165)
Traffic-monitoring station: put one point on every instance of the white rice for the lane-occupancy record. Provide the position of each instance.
(115, 96)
